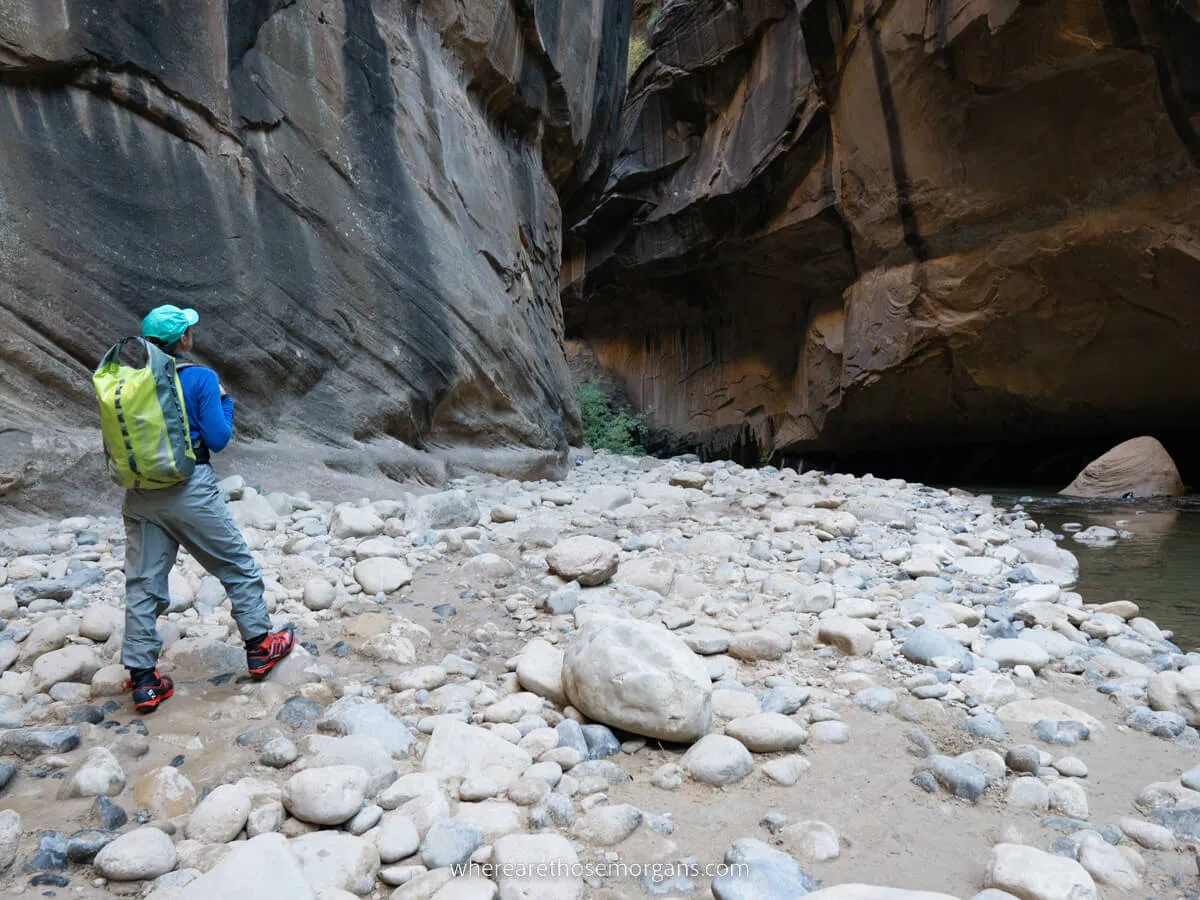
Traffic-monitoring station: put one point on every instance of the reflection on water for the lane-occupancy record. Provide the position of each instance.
(1158, 568)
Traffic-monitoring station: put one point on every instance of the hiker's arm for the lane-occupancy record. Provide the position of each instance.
(216, 413)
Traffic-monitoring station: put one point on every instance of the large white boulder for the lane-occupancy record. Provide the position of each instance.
(638, 677)
(1140, 467)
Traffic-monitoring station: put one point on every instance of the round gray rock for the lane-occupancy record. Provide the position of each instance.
(588, 560)
(448, 843)
(718, 759)
(136, 856)
(327, 795)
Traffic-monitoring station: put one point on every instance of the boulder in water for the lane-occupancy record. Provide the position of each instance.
(1140, 467)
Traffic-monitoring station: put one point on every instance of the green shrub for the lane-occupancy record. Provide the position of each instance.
(653, 18)
(606, 427)
(638, 51)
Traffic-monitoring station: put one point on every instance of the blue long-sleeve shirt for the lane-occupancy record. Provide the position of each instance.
(210, 416)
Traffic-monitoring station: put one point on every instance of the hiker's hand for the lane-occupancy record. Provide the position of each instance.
(222, 387)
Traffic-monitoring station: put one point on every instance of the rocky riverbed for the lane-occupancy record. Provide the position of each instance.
(655, 678)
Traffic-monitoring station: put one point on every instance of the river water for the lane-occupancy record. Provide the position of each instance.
(1158, 567)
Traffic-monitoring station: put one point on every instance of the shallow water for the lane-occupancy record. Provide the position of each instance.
(1157, 568)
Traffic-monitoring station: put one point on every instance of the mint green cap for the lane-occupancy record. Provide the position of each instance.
(167, 323)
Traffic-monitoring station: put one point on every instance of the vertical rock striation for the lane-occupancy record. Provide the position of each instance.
(361, 197)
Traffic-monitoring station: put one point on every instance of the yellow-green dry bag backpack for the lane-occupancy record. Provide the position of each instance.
(147, 442)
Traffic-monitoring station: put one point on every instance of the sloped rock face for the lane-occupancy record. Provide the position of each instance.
(839, 226)
(361, 198)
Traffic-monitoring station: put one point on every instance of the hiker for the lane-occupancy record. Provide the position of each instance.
(192, 513)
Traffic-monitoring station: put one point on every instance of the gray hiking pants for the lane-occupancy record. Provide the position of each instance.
(193, 514)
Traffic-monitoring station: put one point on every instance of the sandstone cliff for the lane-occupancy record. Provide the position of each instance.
(361, 197)
(846, 224)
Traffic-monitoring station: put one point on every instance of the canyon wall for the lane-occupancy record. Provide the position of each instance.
(846, 225)
(362, 198)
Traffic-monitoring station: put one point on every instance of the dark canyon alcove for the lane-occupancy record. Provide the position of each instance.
(951, 240)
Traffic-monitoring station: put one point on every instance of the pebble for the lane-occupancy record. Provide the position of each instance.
(10, 837)
(1029, 793)
(448, 843)
(528, 791)
(829, 732)
(1147, 834)
(962, 779)
(811, 840)
(109, 814)
(335, 860)
(930, 647)
(165, 793)
(278, 753)
(1023, 759)
(82, 846)
(668, 776)
(850, 636)
(298, 713)
(360, 716)
(382, 575)
(760, 872)
(456, 749)
(767, 732)
(718, 760)
(326, 795)
(1069, 798)
(1108, 865)
(987, 726)
(99, 774)
(588, 560)
(607, 826)
(30, 743)
(318, 594)
(220, 816)
(876, 699)
(49, 853)
(753, 646)
(786, 770)
(537, 866)
(396, 838)
(1070, 766)
(1031, 873)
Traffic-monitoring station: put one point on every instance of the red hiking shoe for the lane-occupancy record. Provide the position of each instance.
(150, 695)
(274, 647)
